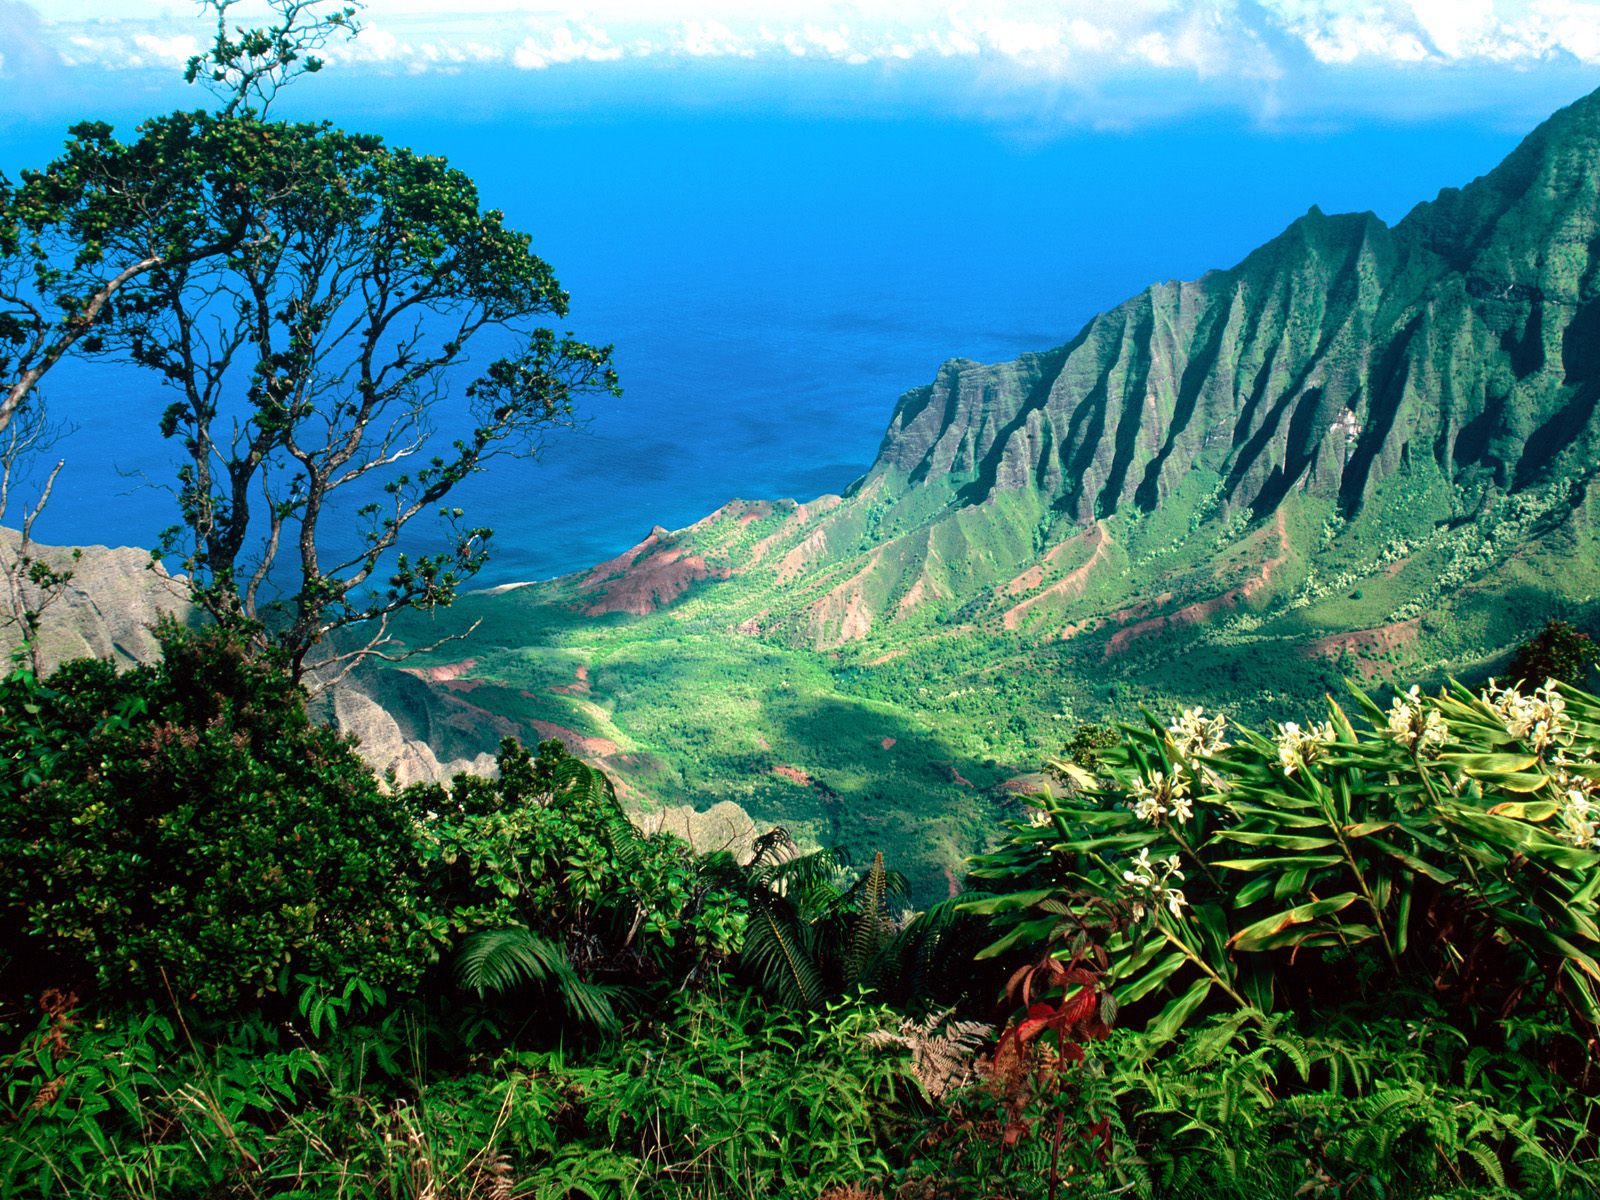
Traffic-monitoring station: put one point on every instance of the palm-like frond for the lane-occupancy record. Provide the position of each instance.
(500, 960)
(778, 951)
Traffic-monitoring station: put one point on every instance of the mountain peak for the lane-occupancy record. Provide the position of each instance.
(1412, 376)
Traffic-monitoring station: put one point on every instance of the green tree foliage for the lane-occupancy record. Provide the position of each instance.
(311, 297)
(546, 848)
(1558, 651)
(185, 825)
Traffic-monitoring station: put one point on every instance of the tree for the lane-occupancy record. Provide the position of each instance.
(86, 232)
(312, 305)
(91, 227)
(1558, 651)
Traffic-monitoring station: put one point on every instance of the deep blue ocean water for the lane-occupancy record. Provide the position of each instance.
(773, 282)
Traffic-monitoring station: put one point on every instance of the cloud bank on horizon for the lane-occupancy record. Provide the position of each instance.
(1075, 60)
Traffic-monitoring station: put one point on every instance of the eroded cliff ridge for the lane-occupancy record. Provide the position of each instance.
(1383, 385)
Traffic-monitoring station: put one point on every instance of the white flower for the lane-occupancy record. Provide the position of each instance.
(1414, 725)
(1151, 889)
(1298, 747)
(1540, 719)
(1579, 817)
(1149, 809)
(1193, 734)
(1159, 796)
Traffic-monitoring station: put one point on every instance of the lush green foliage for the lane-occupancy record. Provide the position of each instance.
(611, 1025)
(183, 826)
(1451, 839)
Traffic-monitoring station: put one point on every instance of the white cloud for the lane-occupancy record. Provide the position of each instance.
(1142, 54)
(564, 46)
(711, 39)
(177, 50)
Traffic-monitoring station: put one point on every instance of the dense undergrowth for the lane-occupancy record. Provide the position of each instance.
(1355, 958)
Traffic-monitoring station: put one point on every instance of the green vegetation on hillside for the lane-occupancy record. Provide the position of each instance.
(1353, 959)
(1362, 452)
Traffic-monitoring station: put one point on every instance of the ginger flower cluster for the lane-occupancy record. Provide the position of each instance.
(1414, 725)
(1297, 747)
(1540, 719)
(1161, 795)
(1194, 735)
(1579, 818)
(1150, 889)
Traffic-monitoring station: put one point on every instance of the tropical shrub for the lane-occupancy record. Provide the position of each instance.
(1433, 863)
(724, 1097)
(1452, 839)
(542, 873)
(184, 828)
(1247, 1104)
(1557, 651)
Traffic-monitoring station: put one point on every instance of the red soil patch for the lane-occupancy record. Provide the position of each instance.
(1396, 567)
(1025, 785)
(1204, 610)
(1071, 585)
(1034, 575)
(952, 882)
(579, 685)
(794, 775)
(649, 576)
(885, 658)
(1380, 639)
(887, 743)
(957, 777)
(574, 741)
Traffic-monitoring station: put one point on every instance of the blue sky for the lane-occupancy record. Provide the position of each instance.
(1039, 66)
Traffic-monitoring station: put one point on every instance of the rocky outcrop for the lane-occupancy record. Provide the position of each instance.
(644, 578)
(389, 746)
(107, 608)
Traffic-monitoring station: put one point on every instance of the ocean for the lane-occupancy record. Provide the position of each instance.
(772, 282)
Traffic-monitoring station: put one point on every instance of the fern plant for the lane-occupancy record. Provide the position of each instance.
(501, 960)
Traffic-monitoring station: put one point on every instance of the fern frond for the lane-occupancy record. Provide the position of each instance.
(775, 950)
(500, 960)
(870, 927)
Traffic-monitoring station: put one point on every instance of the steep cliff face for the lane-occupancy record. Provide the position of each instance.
(1378, 382)
(1469, 334)
(107, 607)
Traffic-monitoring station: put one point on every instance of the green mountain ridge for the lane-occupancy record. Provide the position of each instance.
(1363, 450)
